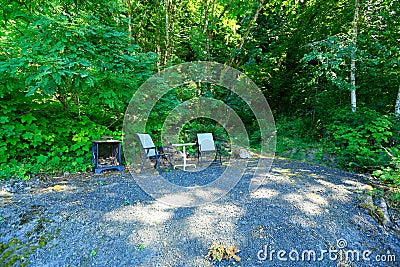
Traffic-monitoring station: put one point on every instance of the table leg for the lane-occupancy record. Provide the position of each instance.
(184, 158)
(184, 165)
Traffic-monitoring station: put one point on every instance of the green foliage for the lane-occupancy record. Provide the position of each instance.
(163, 110)
(296, 139)
(333, 56)
(358, 139)
(67, 76)
(16, 252)
(391, 174)
(70, 58)
(203, 125)
(93, 253)
(388, 175)
(294, 127)
(45, 142)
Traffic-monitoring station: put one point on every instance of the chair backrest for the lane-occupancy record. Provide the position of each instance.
(206, 142)
(147, 142)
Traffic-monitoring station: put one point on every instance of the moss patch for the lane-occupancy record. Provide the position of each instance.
(16, 252)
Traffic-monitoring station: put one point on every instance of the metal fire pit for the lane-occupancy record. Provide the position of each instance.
(106, 155)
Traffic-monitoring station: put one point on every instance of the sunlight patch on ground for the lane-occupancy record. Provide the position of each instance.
(303, 221)
(284, 172)
(219, 219)
(5, 193)
(356, 184)
(57, 188)
(304, 170)
(317, 188)
(147, 224)
(278, 179)
(304, 204)
(339, 192)
(5, 197)
(314, 175)
(156, 213)
(264, 193)
(317, 199)
(147, 237)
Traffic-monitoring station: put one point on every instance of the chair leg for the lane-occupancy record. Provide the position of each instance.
(158, 165)
(215, 161)
(218, 154)
(144, 162)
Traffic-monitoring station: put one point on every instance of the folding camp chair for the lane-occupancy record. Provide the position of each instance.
(206, 145)
(153, 152)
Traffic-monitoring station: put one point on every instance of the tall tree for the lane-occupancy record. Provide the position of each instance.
(247, 32)
(65, 52)
(353, 57)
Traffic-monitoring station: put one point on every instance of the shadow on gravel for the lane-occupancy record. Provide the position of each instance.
(302, 215)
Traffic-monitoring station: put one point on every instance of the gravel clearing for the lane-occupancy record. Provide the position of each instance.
(107, 220)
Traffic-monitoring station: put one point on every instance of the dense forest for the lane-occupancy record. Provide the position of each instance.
(329, 70)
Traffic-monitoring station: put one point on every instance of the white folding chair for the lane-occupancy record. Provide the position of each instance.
(153, 152)
(206, 145)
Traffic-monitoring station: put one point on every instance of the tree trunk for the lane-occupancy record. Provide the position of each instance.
(207, 21)
(166, 32)
(397, 106)
(129, 10)
(353, 59)
(353, 84)
(205, 30)
(248, 30)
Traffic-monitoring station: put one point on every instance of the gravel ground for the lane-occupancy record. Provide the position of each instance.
(107, 220)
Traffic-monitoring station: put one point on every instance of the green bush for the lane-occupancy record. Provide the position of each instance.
(358, 139)
(38, 142)
(390, 174)
(295, 137)
(294, 127)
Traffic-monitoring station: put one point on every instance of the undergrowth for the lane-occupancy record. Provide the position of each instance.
(35, 144)
(365, 141)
